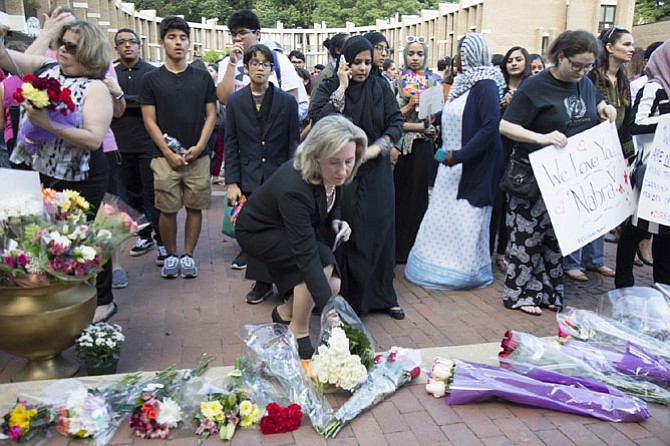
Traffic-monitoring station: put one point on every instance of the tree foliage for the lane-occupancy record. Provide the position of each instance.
(648, 11)
(292, 13)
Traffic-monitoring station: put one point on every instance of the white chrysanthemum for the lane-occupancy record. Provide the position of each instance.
(169, 413)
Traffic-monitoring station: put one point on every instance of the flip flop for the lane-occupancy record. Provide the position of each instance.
(109, 313)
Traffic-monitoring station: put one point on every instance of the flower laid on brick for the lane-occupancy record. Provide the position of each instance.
(222, 413)
(334, 364)
(440, 377)
(153, 417)
(84, 415)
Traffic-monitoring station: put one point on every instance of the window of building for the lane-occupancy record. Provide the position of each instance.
(606, 17)
(545, 44)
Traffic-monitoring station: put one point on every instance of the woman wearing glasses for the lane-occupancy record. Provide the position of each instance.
(414, 158)
(380, 51)
(611, 81)
(546, 109)
(368, 204)
(451, 248)
(73, 160)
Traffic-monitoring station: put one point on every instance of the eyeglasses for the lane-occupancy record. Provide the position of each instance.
(580, 66)
(242, 33)
(611, 32)
(382, 49)
(253, 63)
(69, 46)
(297, 61)
(127, 42)
(420, 39)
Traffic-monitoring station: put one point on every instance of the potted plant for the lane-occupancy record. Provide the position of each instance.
(99, 346)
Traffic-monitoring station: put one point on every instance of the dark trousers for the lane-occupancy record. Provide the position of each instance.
(92, 189)
(137, 179)
(498, 224)
(630, 238)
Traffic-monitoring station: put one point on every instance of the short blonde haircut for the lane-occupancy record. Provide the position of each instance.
(94, 53)
(326, 138)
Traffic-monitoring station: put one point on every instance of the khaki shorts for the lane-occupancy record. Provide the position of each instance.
(189, 186)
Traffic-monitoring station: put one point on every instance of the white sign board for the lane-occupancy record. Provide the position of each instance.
(432, 101)
(654, 204)
(585, 186)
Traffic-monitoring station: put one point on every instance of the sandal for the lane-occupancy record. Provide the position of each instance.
(396, 313)
(501, 263)
(552, 307)
(536, 311)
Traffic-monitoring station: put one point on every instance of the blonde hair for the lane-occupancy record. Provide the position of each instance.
(327, 137)
(94, 53)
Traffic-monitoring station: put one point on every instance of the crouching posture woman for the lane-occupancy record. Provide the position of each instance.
(282, 222)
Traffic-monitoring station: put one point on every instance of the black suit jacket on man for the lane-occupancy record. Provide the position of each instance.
(252, 155)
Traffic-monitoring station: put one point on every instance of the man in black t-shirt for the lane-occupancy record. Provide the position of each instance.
(180, 101)
(135, 144)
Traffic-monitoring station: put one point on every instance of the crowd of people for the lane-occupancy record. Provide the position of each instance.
(339, 176)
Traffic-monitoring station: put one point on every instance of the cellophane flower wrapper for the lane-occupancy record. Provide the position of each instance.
(476, 383)
(643, 309)
(587, 326)
(272, 372)
(30, 136)
(166, 400)
(26, 421)
(338, 313)
(523, 352)
(634, 361)
(392, 370)
(115, 216)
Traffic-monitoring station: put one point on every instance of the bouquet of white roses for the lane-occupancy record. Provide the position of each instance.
(334, 364)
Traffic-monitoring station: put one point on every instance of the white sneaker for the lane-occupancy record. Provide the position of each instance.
(187, 267)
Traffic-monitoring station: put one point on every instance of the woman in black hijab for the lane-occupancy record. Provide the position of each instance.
(380, 51)
(368, 204)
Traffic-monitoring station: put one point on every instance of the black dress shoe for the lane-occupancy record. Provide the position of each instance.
(276, 318)
(305, 349)
(396, 313)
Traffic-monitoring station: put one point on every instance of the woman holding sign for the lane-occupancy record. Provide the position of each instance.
(546, 109)
(652, 104)
(414, 158)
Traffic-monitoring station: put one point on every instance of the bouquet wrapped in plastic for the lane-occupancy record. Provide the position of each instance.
(466, 383)
(645, 310)
(522, 352)
(272, 372)
(159, 407)
(391, 371)
(587, 326)
(345, 351)
(223, 410)
(26, 421)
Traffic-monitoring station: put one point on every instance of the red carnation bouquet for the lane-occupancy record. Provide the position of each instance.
(45, 92)
(281, 419)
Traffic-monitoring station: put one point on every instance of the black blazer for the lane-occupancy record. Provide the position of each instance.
(252, 157)
(296, 211)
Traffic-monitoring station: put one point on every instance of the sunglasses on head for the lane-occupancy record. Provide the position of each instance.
(69, 46)
(420, 39)
(611, 32)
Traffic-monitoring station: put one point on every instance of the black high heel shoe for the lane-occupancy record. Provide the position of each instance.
(645, 260)
(305, 349)
(276, 318)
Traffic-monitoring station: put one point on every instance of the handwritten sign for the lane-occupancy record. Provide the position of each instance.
(585, 186)
(432, 101)
(654, 204)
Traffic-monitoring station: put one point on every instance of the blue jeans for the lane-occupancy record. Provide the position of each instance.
(591, 255)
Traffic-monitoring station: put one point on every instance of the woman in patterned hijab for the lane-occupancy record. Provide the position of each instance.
(451, 250)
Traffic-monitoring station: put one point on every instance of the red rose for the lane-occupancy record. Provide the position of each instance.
(415, 372)
(18, 96)
(149, 410)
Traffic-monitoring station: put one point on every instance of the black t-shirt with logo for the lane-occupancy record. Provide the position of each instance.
(543, 104)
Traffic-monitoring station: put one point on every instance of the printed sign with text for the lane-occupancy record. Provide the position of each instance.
(585, 186)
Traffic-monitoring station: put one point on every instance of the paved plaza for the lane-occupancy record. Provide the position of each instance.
(175, 321)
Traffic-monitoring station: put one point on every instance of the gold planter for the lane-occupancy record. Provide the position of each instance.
(39, 323)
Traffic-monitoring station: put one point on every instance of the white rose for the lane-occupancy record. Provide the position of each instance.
(442, 369)
(338, 341)
(436, 388)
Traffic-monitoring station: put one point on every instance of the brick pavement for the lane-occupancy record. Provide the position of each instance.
(176, 321)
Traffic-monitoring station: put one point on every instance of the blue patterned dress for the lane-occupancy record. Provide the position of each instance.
(451, 250)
